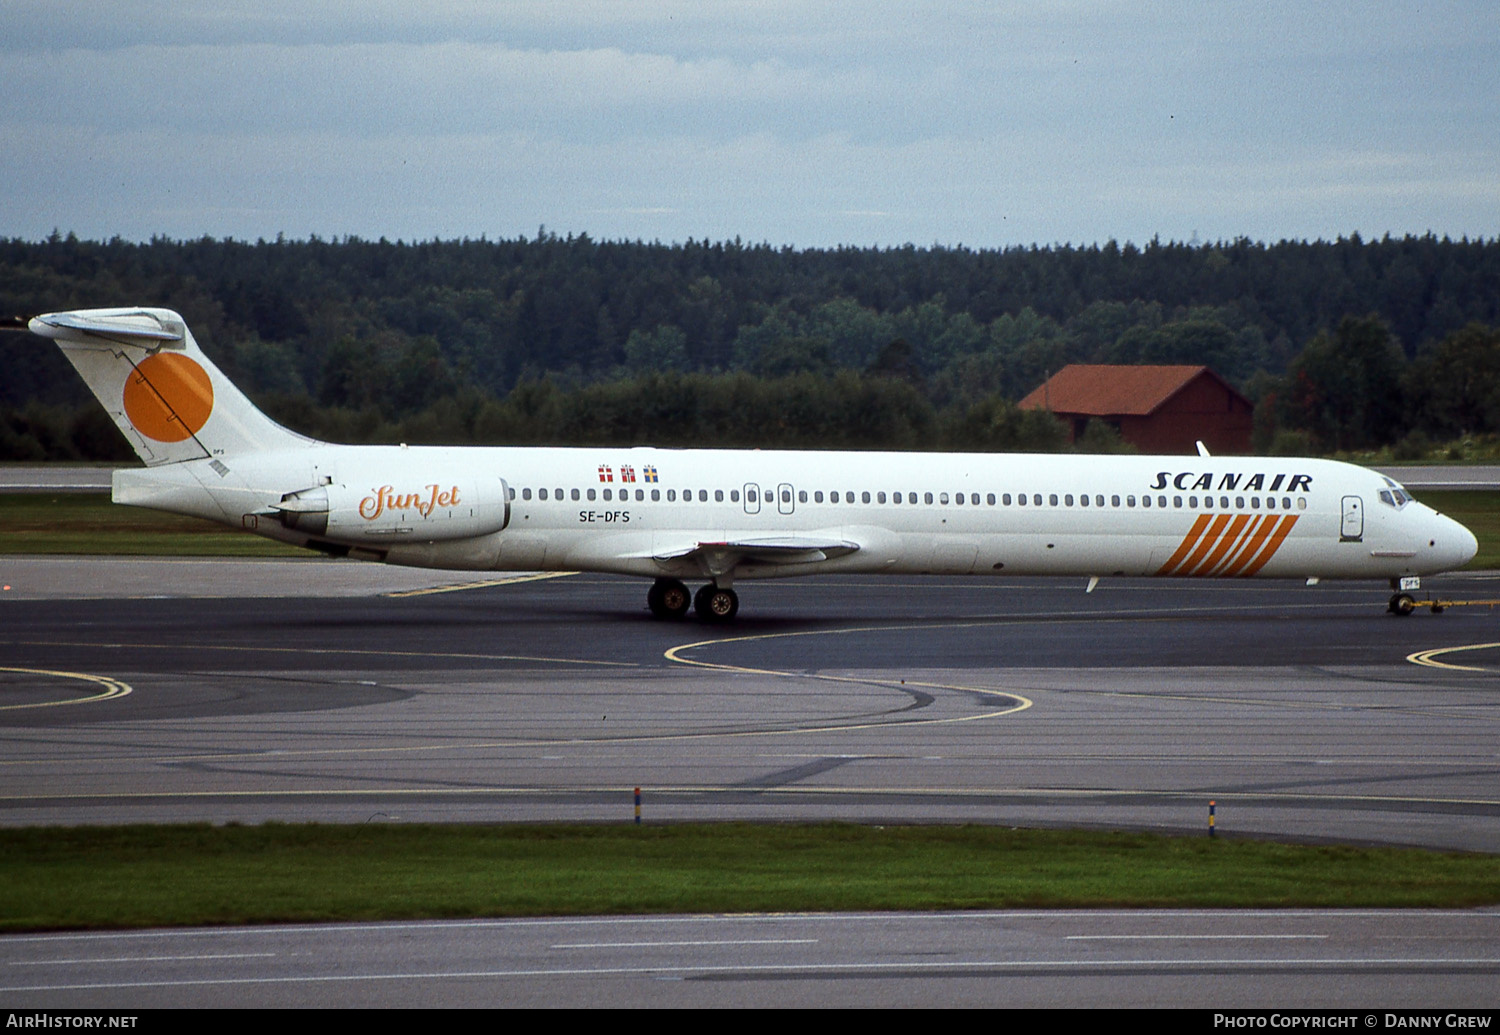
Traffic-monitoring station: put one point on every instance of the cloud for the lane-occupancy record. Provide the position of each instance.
(792, 122)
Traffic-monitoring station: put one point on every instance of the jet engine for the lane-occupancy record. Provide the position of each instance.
(408, 510)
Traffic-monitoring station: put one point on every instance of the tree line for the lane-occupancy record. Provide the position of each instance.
(1343, 345)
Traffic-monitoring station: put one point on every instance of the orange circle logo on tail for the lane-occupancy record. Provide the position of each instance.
(168, 397)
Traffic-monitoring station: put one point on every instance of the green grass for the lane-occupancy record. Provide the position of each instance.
(88, 523)
(136, 876)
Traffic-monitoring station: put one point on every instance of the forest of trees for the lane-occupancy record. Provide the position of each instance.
(1343, 345)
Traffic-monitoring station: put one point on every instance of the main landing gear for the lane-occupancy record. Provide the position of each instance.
(668, 598)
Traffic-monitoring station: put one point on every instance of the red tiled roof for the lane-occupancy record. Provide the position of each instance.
(1113, 391)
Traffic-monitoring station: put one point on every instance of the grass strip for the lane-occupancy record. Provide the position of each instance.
(141, 876)
(88, 523)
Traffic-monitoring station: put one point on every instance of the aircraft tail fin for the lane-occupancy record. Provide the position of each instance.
(167, 397)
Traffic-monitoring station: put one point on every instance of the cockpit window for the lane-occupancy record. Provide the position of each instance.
(1395, 496)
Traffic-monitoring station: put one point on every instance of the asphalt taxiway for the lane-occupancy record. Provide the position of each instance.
(164, 691)
(1302, 712)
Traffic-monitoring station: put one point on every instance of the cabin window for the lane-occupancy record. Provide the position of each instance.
(1161, 501)
(718, 495)
(1208, 501)
(702, 495)
(911, 498)
(927, 498)
(640, 495)
(895, 497)
(1239, 503)
(958, 498)
(655, 495)
(1099, 501)
(608, 495)
(1145, 501)
(592, 494)
(574, 494)
(1255, 503)
(1224, 502)
(848, 497)
(1286, 503)
(1114, 501)
(1177, 502)
(1301, 502)
(526, 494)
(943, 498)
(1193, 502)
(990, 498)
(880, 497)
(511, 493)
(1052, 499)
(1005, 499)
(864, 497)
(671, 495)
(818, 496)
(1036, 499)
(1129, 501)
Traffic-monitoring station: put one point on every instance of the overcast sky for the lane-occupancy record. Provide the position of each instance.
(802, 122)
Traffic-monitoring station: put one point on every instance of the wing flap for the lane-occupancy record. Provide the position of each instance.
(721, 557)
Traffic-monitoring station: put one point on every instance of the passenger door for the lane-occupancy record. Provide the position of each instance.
(1352, 530)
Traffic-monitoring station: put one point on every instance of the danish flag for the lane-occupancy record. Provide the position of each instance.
(606, 473)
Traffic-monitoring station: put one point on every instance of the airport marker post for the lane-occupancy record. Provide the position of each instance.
(1210, 815)
(637, 806)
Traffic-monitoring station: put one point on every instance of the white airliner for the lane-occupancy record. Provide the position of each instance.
(720, 516)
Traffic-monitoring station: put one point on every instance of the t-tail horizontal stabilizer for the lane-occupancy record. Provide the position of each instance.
(163, 393)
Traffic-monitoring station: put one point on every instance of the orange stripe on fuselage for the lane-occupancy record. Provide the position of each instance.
(1187, 544)
(1277, 538)
(1228, 539)
(1209, 538)
(1249, 543)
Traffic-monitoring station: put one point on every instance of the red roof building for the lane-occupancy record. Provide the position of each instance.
(1156, 409)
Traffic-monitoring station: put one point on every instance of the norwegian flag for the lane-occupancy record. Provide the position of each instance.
(627, 473)
(606, 473)
(648, 473)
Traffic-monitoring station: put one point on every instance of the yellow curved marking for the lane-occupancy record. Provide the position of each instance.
(112, 688)
(1425, 657)
(1022, 703)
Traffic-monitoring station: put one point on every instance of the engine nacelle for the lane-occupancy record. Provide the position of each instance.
(438, 511)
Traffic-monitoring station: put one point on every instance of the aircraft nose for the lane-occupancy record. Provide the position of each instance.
(1468, 547)
(1455, 543)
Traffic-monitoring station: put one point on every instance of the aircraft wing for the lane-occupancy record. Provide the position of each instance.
(718, 558)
